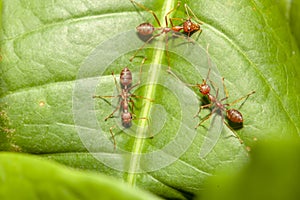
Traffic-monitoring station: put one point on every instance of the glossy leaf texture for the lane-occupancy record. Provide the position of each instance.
(36, 178)
(50, 49)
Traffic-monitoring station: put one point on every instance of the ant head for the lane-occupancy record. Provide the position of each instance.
(125, 71)
(204, 88)
(125, 78)
(189, 26)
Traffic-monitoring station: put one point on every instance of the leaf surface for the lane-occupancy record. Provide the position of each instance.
(56, 56)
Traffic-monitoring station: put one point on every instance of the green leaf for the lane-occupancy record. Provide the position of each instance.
(30, 177)
(285, 6)
(294, 19)
(50, 51)
(273, 172)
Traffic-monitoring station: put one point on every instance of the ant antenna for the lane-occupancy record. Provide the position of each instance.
(188, 10)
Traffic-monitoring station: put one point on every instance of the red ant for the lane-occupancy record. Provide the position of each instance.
(233, 115)
(188, 26)
(124, 95)
(147, 29)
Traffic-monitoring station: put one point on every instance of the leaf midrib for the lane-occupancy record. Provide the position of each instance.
(150, 94)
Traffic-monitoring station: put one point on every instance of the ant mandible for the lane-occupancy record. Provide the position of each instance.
(146, 29)
(125, 97)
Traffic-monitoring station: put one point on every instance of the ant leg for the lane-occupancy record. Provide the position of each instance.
(116, 83)
(133, 86)
(217, 92)
(172, 24)
(102, 97)
(204, 119)
(208, 73)
(167, 52)
(144, 118)
(244, 97)
(166, 16)
(138, 83)
(141, 97)
(111, 114)
(151, 134)
(182, 37)
(225, 89)
(208, 59)
(198, 34)
(132, 106)
(188, 10)
(112, 136)
(148, 10)
(209, 66)
(187, 84)
(175, 19)
(151, 38)
(117, 86)
(97, 96)
(207, 77)
(237, 100)
(140, 75)
(172, 73)
(224, 100)
(200, 108)
(207, 116)
(234, 133)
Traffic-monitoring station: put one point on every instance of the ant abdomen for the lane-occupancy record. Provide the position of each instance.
(126, 119)
(145, 29)
(234, 116)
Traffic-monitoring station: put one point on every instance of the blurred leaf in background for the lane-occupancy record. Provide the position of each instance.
(273, 173)
(30, 177)
(294, 17)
